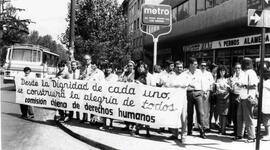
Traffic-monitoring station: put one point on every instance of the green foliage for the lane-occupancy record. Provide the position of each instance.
(46, 41)
(100, 30)
(12, 28)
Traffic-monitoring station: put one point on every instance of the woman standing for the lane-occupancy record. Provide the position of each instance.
(141, 77)
(222, 95)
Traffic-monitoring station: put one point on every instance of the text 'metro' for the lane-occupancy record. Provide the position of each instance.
(156, 14)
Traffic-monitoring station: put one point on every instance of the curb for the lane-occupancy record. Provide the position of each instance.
(83, 138)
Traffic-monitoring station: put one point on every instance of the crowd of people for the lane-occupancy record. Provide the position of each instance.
(219, 100)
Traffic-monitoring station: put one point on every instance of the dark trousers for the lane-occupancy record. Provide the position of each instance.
(234, 107)
(26, 109)
(195, 99)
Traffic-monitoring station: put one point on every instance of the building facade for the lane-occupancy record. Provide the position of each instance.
(212, 30)
(133, 13)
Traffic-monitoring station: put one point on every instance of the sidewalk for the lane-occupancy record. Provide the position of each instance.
(118, 139)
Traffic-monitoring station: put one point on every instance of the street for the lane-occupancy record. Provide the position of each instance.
(41, 133)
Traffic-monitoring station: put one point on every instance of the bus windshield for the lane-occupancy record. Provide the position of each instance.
(27, 55)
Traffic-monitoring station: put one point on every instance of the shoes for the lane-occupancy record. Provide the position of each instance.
(66, 119)
(203, 135)
(266, 138)
(125, 129)
(102, 128)
(189, 133)
(236, 138)
(31, 116)
(24, 117)
(173, 137)
(250, 140)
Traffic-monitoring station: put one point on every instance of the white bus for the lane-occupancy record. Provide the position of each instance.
(42, 62)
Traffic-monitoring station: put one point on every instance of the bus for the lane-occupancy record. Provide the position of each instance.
(42, 62)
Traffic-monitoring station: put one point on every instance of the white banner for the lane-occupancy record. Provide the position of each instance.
(154, 106)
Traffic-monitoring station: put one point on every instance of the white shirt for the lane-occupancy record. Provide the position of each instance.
(96, 75)
(266, 97)
(75, 75)
(111, 78)
(194, 80)
(165, 77)
(236, 81)
(249, 78)
(207, 80)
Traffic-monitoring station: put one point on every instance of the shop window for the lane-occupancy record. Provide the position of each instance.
(174, 14)
(200, 6)
(182, 11)
(192, 7)
(209, 3)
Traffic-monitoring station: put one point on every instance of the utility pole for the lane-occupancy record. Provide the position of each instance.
(72, 34)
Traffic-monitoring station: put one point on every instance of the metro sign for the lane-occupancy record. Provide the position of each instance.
(156, 14)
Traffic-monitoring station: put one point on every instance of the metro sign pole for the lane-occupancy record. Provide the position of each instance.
(159, 15)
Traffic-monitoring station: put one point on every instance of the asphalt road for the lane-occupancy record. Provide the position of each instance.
(41, 133)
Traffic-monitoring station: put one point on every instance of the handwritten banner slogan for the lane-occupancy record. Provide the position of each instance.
(159, 107)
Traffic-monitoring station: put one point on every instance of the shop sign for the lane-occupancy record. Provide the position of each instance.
(241, 41)
(234, 42)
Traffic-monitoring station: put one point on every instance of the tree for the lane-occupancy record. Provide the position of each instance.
(13, 29)
(48, 42)
(100, 30)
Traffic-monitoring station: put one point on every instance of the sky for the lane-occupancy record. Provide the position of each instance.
(48, 15)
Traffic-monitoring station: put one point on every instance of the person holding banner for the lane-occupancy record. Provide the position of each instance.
(74, 74)
(109, 77)
(195, 96)
(85, 71)
(179, 81)
(96, 75)
(61, 74)
(128, 76)
(27, 111)
(141, 77)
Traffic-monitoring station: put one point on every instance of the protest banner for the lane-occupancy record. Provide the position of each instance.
(154, 106)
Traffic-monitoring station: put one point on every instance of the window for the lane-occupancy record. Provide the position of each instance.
(174, 14)
(192, 7)
(209, 3)
(22, 55)
(200, 6)
(217, 2)
(179, 9)
(183, 11)
(138, 23)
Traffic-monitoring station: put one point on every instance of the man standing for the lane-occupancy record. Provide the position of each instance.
(179, 81)
(85, 71)
(207, 85)
(74, 74)
(194, 96)
(179, 68)
(27, 111)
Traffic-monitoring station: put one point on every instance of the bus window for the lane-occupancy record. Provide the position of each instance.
(3, 56)
(22, 55)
